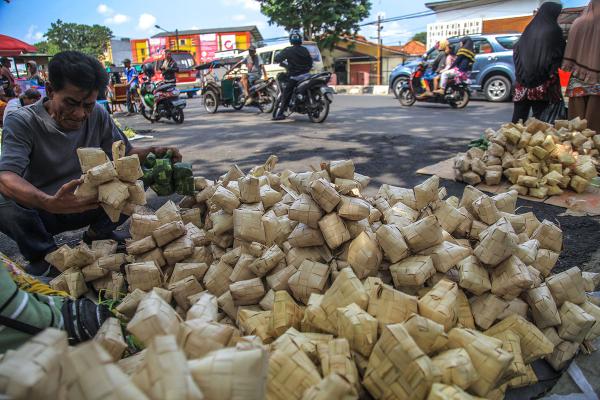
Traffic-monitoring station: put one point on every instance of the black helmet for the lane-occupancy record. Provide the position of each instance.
(148, 70)
(295, 36)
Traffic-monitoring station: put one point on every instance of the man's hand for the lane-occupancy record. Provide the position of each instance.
(65, 202)
(160, 152)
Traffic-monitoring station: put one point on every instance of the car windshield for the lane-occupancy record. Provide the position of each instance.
(184, 60)
(314, 52)
(508, 42)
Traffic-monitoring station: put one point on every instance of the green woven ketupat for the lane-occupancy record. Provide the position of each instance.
(162, 171)
(163, 190)
(150, 160)
(182, 170)
(185, 186)
(148, 178)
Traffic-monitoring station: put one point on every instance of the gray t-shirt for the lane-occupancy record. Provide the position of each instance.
(253, 64)
(34, 147)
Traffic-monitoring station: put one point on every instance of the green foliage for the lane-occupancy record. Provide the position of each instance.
(89, 39)
(420, 37)
(324, 21)
(47, 47)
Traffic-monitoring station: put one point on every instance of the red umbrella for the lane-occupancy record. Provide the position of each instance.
(12, 47)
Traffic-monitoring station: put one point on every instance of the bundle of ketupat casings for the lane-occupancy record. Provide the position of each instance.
(538, 159)
(295, 286)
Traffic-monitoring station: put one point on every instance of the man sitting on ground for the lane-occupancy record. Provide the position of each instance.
(39, 167)
(29, 97)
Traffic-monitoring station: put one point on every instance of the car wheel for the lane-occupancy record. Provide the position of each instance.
(397, 85)
(498, 88)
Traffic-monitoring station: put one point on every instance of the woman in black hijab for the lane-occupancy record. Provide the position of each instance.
(538, 55)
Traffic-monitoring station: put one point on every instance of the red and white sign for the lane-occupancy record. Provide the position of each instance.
(227, 42)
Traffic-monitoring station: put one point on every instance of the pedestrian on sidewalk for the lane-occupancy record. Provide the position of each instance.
(582, 59)
(538, 55)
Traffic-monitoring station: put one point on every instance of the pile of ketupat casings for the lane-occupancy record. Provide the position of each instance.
(296, 286)
(538, 159)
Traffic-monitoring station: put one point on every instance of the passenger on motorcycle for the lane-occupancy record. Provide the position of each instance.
(255, 67)
(465, 58)
(437, 67)
(168, 68)
(449, 57)
(299, 62)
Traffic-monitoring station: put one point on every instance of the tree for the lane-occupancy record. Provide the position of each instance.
(324, 21)
(420, 37)
(89, 39)
(47, 47)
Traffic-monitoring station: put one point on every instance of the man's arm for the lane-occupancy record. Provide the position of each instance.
(142, 152)
(281, 56)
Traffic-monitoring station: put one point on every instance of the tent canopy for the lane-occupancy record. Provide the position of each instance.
(12, 47)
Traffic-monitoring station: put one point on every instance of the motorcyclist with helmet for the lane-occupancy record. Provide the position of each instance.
(168, 68)
(299, 63)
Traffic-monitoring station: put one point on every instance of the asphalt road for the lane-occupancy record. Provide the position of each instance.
(387, 142)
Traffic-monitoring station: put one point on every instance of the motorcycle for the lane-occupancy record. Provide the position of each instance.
(163, 96)
(457, 93)
(264, 93)
(311, 96)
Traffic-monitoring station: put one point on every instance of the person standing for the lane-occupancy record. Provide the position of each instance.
(33, 74)
(582, 59)
(26, 99)
(538, 55)
(131, 77)
(7, 78)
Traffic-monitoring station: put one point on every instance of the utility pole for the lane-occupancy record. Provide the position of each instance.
(177, 38)
(379, 64)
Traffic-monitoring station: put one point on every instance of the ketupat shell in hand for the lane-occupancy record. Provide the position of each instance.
(128, 168)
(90, 157)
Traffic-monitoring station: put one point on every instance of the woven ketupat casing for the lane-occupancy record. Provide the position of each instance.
(446, 255)
(256, 323)
(543, 307)
(310, 277)
(412, 271)
(306, 211)
(497, 243)
(392, 242)
(334, 231)
(153, 317)
(324, 194)
(398, 368)
(291, 372)
(567, 286)
(390, 306)
(335, 358)
(429, 335)
(511, 342)
(439, 303)
(198, 338)
(473, 276)
(455, 368)
(286, 313)
(110, 336)
(510, 278)
(364, 255)
(232, 373)
(422, 234)
(346, 289)
(549, 235)
(575, 322)
(360, 328)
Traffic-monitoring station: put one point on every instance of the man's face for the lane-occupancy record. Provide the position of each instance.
(252, 53)
(71, 106)
(168, 56)
(6, 63)
(127, 65)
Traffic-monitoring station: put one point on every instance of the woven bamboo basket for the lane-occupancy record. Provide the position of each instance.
(533, 342)
(397, 367)
(140, 246)
(153, 317)
(324, 194)
(40, 360)
(412, 271)
(232, 374)
(428, 334)
(562, 354)
(388, 305)
(543, 307)
(143, 276)
(487, 356)
(392, 242)
(290, 374)
(364, 255)
(178, 250)
(455, 368)
(360, 328)
(247, 292)
(549, 235)
(305, 236)
(422, 234)
(256, 323)
(439, 303)
(310, 277)
(197, 338)
(249, 189)
(510, 278)
(90, 157)
(486, 309)
(110, 337)
(306, 211)
(225, 199)
(184, 288)
(270, 258)
(575, 322)
(130, 302)
(143, 225)
(567, 286)
(247, 225)
(286, 313)
(497, 243)
(446, 255)
(128, 168)
(168, 373)
(100, 174)
(334, 231)
(216, 279)
(472, 276)
(204, 307)
(89, 374)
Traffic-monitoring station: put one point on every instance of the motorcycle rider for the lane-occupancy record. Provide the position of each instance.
(255, 67)
(131, 76)
(168, 68)
(299, 63)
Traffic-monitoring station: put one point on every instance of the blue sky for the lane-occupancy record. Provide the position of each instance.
(29, 19)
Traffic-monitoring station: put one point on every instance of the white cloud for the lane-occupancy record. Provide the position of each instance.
(146, 22)
(104, 9)
(239, 17)
(194, 28)
(246, 4)
(117, 19)
(33, 35)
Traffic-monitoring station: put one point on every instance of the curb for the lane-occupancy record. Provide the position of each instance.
(362, 90)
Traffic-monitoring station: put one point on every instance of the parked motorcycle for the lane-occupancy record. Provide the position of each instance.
(457, 94)
(311, 96)
(163, 96)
